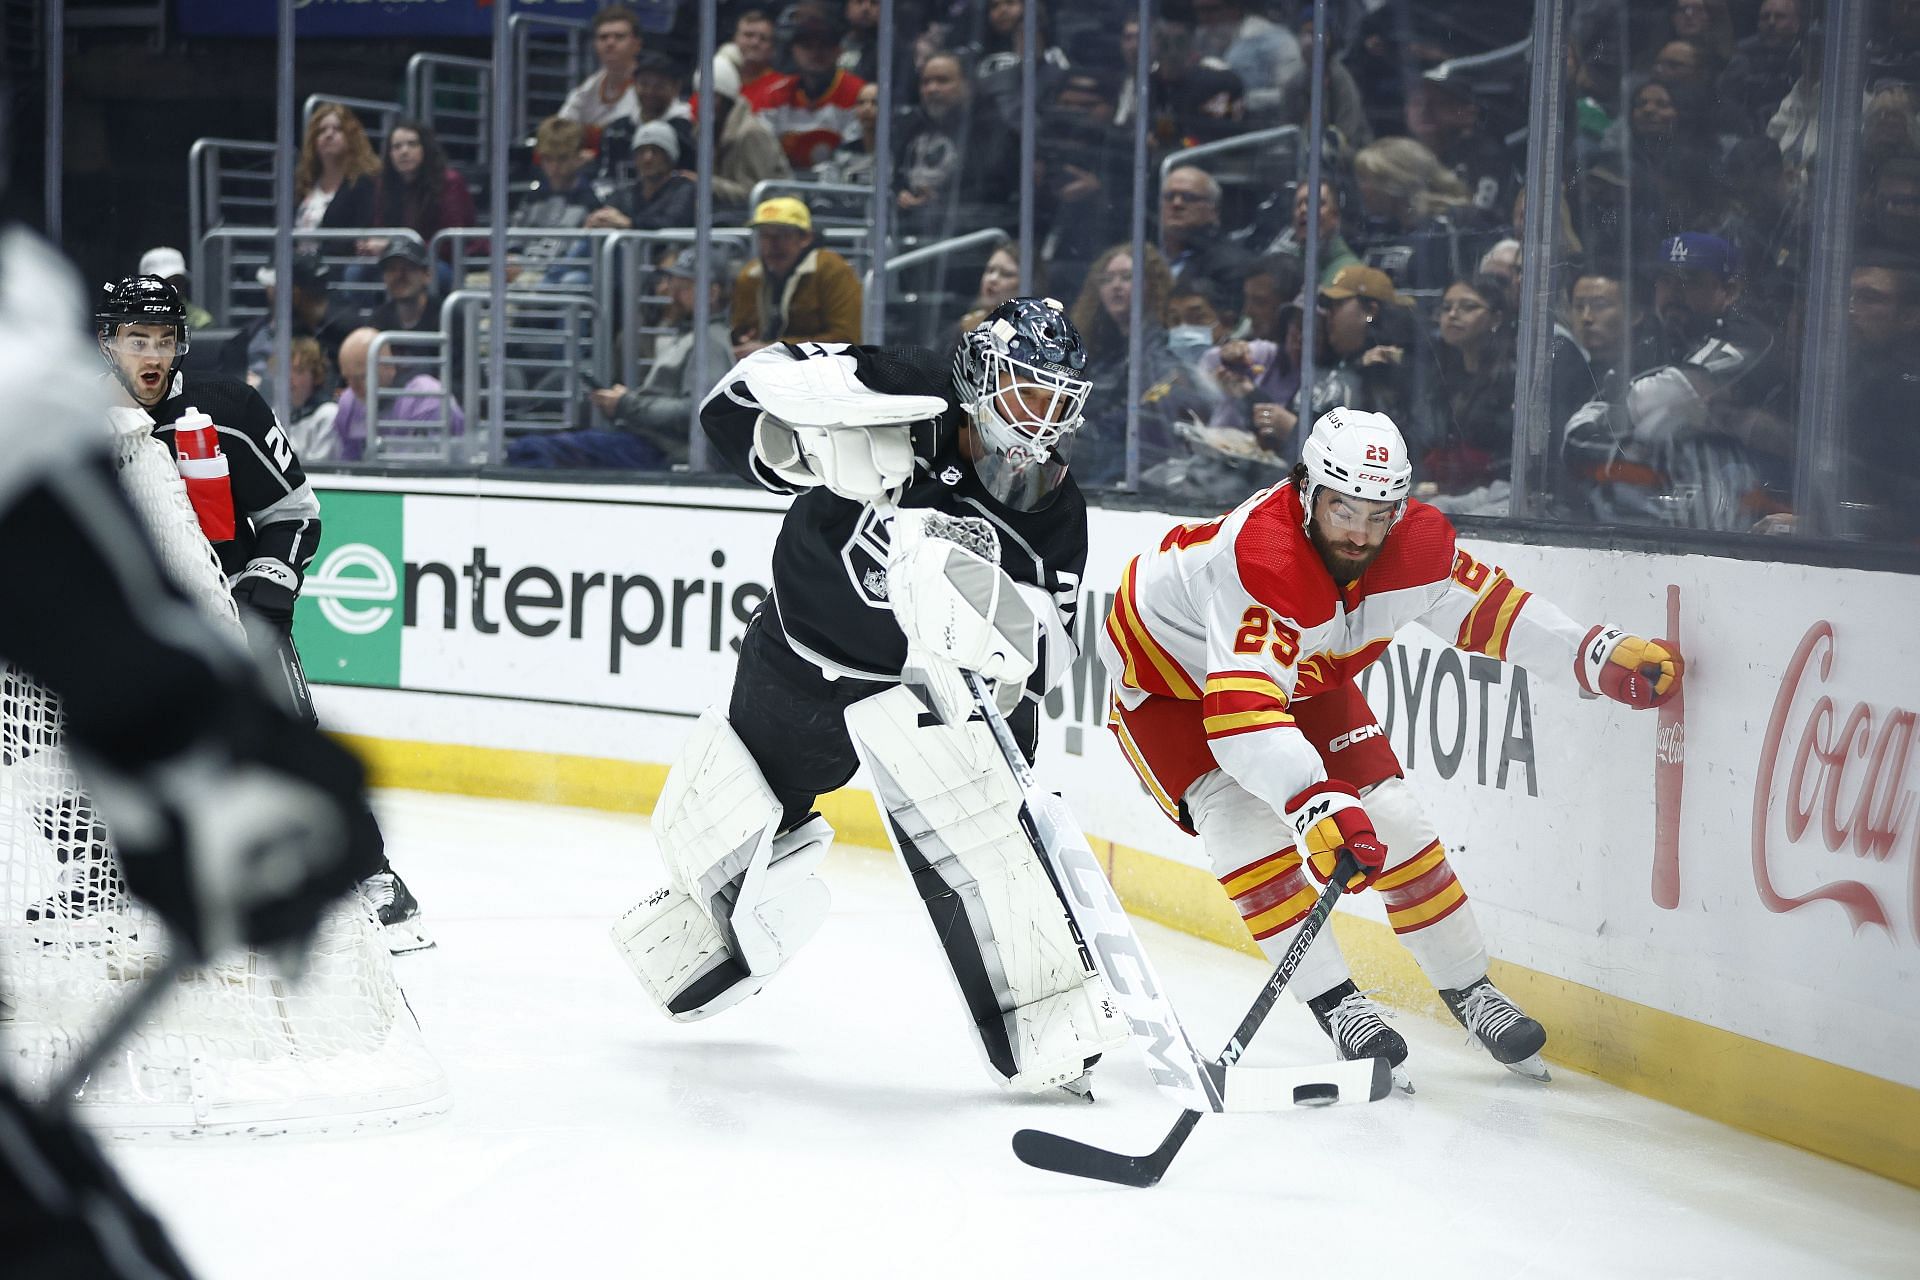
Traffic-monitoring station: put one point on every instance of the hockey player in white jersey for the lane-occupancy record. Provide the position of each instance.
(853, 431)
(1233, 648)
(236, 822)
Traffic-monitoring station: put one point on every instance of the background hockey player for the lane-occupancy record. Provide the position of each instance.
(1233, 650)
(818, 688)
(142, 328)
(237, 823)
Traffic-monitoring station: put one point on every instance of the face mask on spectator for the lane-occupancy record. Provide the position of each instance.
(1190, 341)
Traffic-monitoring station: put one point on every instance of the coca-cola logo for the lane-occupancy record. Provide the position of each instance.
(1838, 777)
(1670, 744)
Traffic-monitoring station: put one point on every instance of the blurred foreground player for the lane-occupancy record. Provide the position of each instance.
(1233, 650)
(274, 529)
(819, 686)
(236, 822)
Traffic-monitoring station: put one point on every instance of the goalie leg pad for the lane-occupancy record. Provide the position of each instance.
(1426, 903)
(1041, 1009)
(716, 826)
(1251, 850)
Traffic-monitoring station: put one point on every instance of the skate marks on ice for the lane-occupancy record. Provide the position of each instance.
(840, 1123)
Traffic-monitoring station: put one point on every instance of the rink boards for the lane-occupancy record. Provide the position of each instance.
(1717, 905)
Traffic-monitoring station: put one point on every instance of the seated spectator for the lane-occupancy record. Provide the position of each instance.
(1891, 126)
(1464, 437)
(1687, 63)
(1762, 69)
(310, 427)
(859, 48)
(334, 180)
(651, 422)
(1795, 125)
(1084, 175)
(660, 195)
(171, 265)
(1208, 104)
(1502, 262)
(1190, 233)
(1444, 116)
(657, 83)
(1270, 286)
(1422, 230)
(1335, 253)
(1103, 314)
(750, 52)
(1891, 218)
(1365, 333)
(1762, 220)
(423, 402)
(852, 162)
(995, 59)
(1258, 380)
(951, 161)
(1617, 346)
(1706, 23)
(1265, 55)
(412, 304)
(561, 198)
(794, 290)
(999, 282)
(417, 188)
(607, 95)
(745, 152)
(248, 352)
(811, 109)
(1883, 384)
(1199, 318)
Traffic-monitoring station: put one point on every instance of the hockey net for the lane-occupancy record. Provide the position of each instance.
(236, 1047)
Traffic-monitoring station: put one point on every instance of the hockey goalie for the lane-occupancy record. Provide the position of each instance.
(856, 432)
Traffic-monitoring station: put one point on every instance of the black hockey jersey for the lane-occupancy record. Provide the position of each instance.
(829, 596)
(269, 485)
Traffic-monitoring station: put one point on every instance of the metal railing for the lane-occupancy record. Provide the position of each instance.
(470, 251)
(224, 186)
(910, 316)
(452, 96)
(408, 423)
(1259, 141)
(383, 112)
(551, 57)
(549, 338)
(226, 260)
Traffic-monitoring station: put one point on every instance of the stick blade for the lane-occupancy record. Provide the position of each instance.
(1056, 1154)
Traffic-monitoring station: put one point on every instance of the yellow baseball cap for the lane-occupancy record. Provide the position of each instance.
(784, 211)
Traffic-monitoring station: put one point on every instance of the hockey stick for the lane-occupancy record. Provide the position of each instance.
(131, 1011)
(1053, 1152)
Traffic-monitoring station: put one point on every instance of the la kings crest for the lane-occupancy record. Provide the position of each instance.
(865, 558)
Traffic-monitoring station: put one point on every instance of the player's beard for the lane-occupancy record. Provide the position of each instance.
(1344, 567)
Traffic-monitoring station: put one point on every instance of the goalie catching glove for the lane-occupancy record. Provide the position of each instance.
(1639, 672)
(820, 425)
(1328, 820)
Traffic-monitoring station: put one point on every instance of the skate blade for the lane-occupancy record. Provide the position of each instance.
(1530, 1068)
(403, 937)
(1402, 1081)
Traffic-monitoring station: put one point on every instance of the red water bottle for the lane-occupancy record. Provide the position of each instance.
(196, 447)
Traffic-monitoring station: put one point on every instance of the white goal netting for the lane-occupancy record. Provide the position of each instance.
(235, 1047)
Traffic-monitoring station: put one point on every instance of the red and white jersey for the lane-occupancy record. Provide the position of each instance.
(809, 129)
(1241, 615)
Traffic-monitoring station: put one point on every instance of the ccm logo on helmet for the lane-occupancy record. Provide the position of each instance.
(1345, 740)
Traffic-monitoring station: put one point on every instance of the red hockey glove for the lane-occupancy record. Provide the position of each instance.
(1641, 673)
(1328, 819)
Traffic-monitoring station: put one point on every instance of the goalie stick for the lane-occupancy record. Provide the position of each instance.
(1058, 1154)
(1102, 928)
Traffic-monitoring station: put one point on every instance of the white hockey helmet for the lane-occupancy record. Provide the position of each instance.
(1359, 454)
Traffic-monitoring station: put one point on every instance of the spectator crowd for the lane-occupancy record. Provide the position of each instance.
(1689, 156)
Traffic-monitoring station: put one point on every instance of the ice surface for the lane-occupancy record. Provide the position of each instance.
(840, 1123)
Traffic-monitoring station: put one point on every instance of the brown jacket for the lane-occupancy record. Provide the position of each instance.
(820, 302)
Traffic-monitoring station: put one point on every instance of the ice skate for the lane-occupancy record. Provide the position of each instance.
(1499, 1025)
(1357, 1029)
(398, 911)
